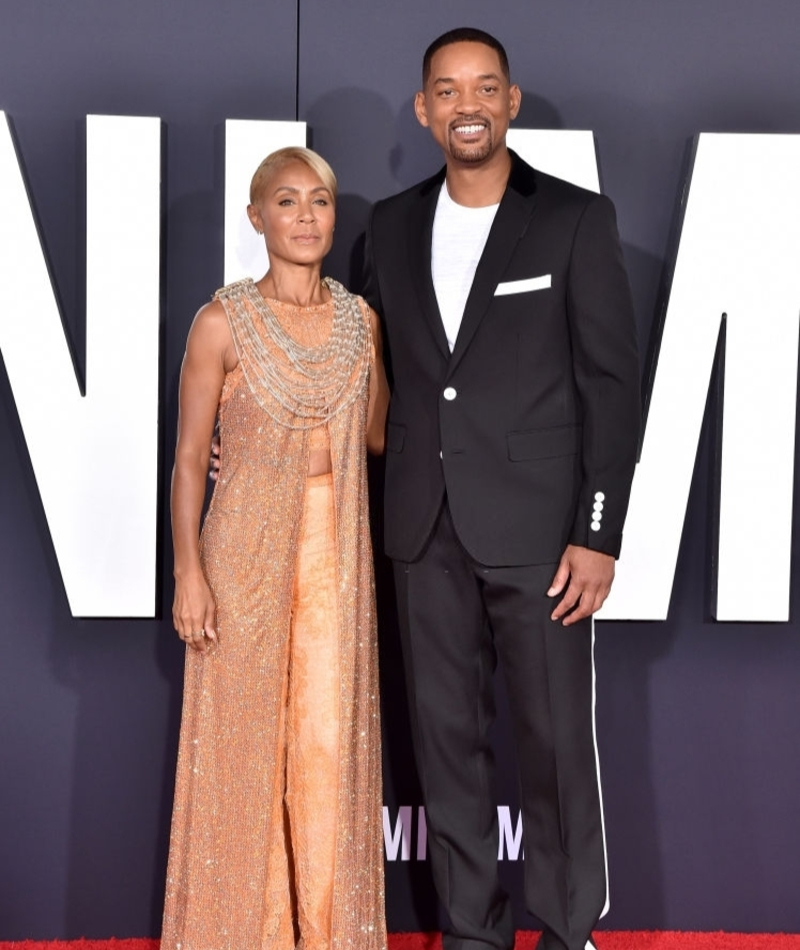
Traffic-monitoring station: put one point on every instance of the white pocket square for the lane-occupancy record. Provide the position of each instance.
(524, 286)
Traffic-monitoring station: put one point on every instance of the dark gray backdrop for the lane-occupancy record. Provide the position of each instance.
(698, 722)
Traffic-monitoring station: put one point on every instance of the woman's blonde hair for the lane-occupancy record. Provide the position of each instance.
(282, 157)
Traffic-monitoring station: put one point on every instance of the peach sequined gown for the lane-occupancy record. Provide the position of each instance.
(235, 864)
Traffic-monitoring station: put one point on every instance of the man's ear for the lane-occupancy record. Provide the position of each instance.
(420, 109)
(515, 100)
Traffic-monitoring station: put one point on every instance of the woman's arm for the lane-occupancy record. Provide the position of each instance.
(209, 355)
(378, 391)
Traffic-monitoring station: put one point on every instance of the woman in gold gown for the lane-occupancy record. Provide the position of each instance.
(276, 838)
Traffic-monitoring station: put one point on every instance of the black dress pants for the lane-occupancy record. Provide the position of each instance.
(456, 618)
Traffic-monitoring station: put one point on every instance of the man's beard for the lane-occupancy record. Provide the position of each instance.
(470, 154)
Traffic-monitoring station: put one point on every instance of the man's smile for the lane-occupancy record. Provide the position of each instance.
(473, 128)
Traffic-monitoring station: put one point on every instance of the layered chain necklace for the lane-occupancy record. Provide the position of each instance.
(300, 387)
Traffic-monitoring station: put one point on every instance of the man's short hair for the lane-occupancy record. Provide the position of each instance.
(464, 34)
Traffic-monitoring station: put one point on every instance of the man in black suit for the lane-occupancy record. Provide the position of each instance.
(511, 445)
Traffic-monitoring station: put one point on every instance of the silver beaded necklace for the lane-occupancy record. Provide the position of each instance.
(300, 387)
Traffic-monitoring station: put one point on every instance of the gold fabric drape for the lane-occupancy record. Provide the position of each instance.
(227, 885)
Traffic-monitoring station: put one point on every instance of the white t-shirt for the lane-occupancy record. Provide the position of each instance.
(459, 237)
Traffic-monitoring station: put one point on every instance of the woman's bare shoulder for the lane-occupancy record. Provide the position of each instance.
(210, 325)
(211, 314)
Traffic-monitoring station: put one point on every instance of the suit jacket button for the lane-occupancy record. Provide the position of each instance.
(599, 496)
(449, 394)
(595, 526)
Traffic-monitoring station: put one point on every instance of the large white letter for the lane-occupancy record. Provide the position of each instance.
(510, 839)
(566, 153)
(422, 834)
(738, 258)
(95, 457)
(400, 838)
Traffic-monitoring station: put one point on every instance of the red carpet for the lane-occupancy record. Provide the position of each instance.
(526, 940)
(624, 940)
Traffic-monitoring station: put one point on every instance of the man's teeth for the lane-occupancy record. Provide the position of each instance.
(470, 129)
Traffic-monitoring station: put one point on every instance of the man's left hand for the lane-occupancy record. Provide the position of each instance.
(587, 577)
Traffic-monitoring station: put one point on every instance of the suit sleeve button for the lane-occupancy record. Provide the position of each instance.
(595, 526)
(450, 394)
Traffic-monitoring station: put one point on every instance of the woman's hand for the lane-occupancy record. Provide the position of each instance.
(194, 612)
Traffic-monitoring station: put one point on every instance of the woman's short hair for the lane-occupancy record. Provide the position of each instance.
(283, 156)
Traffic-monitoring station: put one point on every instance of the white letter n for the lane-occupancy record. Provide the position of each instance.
(95, 457)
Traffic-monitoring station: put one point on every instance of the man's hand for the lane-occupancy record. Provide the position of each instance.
(589, 574)
(213, 462)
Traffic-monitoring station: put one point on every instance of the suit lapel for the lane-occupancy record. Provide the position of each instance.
(508, 227)
(420, 237)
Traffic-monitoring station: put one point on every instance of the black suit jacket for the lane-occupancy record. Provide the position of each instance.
(531, 425)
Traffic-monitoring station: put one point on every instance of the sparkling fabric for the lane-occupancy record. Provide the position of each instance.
(312, 767)
(233, 877)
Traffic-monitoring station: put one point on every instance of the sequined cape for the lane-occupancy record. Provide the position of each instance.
(217, 880)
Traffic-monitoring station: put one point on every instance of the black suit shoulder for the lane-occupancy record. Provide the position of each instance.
(528, 181)
(557, 194)
(408, 199)
(559, 189)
